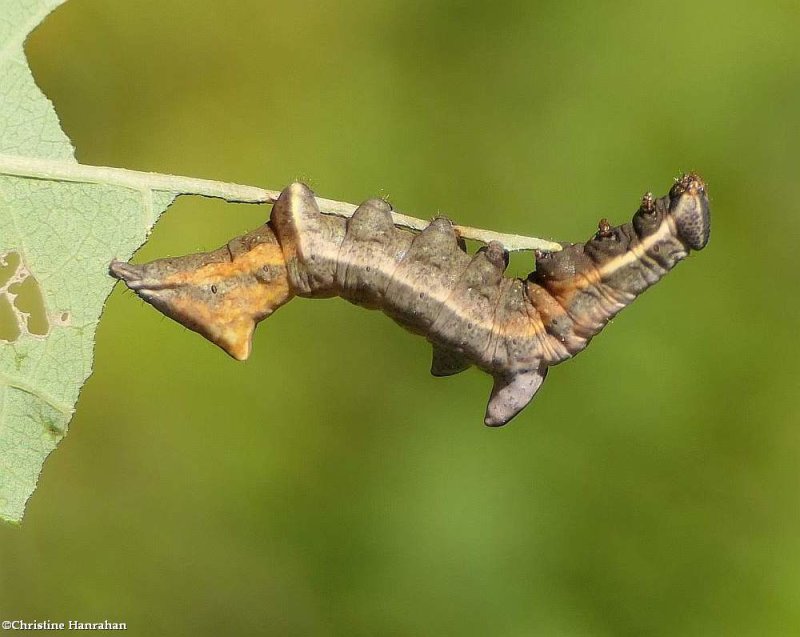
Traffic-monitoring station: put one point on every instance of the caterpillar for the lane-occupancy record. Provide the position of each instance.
(514, 329)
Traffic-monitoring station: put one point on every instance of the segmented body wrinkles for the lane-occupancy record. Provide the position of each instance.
(472, 314)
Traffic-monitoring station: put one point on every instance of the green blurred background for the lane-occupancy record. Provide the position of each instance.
(329, 485)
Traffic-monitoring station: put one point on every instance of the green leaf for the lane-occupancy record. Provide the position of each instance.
(57, 238)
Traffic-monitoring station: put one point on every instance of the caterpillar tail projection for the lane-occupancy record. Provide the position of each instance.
(472, 314)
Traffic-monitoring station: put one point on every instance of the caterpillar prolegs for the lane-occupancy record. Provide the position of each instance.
(472, 314)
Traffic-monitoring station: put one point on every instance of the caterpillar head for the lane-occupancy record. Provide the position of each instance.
(688, 206)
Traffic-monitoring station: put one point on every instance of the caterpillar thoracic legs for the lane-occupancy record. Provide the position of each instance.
(462, 303)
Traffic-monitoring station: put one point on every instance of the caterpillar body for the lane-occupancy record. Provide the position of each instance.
(472, 314)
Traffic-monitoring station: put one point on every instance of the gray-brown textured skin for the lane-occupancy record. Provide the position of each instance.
(467, 309)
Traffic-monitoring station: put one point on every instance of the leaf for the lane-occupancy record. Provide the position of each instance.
(56, 241)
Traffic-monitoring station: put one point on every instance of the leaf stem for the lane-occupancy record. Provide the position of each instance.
(72, 171)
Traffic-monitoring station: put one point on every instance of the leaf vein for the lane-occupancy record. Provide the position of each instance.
(33, 391)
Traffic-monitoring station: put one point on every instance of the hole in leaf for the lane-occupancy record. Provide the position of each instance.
(9, 328)
(8, 266)
(29, 300)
